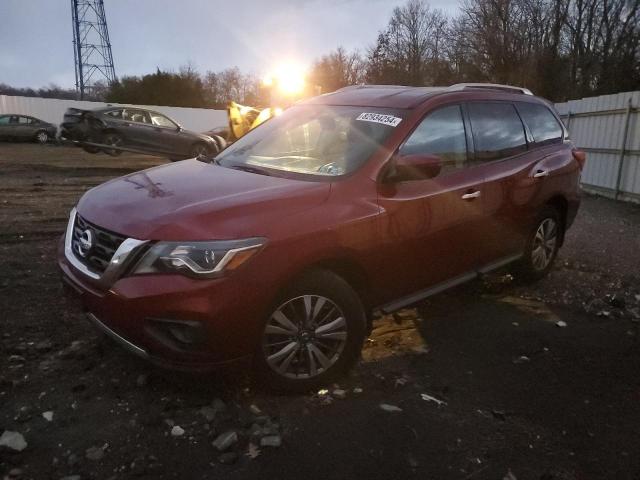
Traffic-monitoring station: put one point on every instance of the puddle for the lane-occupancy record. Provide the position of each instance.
(533, 307)
(394, 335)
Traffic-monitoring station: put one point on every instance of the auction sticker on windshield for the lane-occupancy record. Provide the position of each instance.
(379, 118)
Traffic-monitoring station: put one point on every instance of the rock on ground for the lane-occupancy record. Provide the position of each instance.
(271, 441)
(225, 440)
(13, 440)
(94, 453)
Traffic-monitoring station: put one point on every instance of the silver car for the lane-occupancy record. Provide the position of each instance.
(23, 127)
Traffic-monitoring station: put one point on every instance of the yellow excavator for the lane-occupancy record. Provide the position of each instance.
(243, 118)
(283, 87)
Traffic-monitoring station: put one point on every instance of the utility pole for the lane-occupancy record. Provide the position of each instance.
(91, 47)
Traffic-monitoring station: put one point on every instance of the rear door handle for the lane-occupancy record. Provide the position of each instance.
(541, 173)
(471, 195)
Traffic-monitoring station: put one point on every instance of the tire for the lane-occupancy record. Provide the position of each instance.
(112, 139)
(542, 245)
(90, 148)
(287, 357)
(42, 137)
(198, 149)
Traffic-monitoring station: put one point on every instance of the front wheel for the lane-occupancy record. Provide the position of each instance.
(542, 245)
(42, 137)
(314, 332)
(113, 140)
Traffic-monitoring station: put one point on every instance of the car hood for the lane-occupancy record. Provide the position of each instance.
(192, 200)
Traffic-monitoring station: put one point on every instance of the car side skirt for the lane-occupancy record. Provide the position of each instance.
(441, 287)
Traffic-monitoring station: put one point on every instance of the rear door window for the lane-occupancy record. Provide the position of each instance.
(440, 133)
(138, 116)
(497, 129)
(542, 124)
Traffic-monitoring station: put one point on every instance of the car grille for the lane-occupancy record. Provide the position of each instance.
(105, 244)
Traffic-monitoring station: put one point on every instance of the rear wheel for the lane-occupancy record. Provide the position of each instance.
(90, 149)
(113, 140)
(42, 137)
(313, 333)
(542, 245)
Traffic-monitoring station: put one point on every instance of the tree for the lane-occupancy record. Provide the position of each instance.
(51, 91)
(184, 89)
(411, 49)
(559, 48)
(230, 84)
(337, 69)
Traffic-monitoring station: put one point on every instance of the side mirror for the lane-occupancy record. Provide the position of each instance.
(414, 167)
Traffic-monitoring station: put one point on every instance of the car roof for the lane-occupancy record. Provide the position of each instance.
(397, 96)
(405, 97)
(128, 107)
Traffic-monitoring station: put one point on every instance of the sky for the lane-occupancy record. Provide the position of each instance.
(255, 35)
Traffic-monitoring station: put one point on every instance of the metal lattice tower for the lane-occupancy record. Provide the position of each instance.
(91, 46)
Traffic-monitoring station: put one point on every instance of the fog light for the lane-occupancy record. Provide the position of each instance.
(176, 334)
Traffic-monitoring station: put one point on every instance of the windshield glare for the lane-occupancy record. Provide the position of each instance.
(318, 140)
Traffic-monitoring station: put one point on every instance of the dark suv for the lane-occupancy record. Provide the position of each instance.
(280, 248)
(134, 129)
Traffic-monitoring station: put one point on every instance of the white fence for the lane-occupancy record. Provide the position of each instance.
(608, 129)
(52, 110)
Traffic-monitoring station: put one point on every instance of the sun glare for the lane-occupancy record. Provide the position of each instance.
(289, 78)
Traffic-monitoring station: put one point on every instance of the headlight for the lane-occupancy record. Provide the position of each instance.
(198, 259)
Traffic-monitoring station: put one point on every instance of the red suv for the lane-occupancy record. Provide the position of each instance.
(281, 247)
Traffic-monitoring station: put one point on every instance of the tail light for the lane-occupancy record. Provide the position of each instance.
(580, 156)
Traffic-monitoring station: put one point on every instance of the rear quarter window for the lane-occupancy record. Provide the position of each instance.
(497, 130)
(543, 125)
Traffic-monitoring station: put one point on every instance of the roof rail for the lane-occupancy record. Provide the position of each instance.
(490, 86)
(369, 85)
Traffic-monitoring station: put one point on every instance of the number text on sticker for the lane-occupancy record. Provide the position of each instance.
(379, 118)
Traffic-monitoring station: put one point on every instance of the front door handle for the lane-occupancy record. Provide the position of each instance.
(471, 195)
(541, 173)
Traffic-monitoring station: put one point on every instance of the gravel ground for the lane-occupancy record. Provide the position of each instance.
(478, 382)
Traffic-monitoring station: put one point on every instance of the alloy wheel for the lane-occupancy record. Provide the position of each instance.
(113, 141)
(304, 337)
(42, 137)
(544, 244)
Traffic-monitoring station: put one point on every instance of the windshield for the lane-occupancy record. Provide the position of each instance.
(318, 140)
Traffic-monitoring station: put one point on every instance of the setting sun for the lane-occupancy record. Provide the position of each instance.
(289, 78)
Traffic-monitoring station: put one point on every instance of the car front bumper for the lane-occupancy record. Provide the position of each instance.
(142, 312)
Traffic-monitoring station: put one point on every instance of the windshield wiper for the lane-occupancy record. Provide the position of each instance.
(251, 169)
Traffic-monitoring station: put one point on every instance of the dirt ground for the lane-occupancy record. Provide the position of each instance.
(486, 385)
